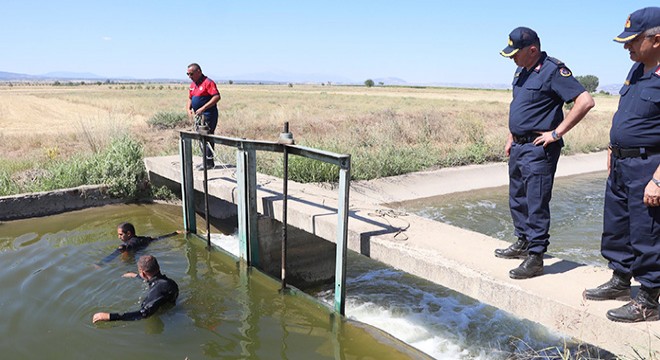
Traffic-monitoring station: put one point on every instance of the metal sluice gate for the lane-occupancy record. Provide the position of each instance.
(246, 179)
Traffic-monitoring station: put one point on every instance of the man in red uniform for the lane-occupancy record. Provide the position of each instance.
(202, 100)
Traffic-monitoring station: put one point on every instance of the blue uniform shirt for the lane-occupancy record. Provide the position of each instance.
(539, 95)
(637, 121)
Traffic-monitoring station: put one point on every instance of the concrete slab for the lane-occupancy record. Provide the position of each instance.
(452, 257)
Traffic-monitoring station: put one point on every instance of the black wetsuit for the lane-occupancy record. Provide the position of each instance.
(162, 290)
(135, 243)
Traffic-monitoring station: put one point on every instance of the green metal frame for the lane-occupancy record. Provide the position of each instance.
(246, 174)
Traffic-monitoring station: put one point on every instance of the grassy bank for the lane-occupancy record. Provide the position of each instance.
(388, 131)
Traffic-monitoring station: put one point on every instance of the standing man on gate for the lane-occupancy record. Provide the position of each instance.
(631, 219)
(202, 100)
(541, 86)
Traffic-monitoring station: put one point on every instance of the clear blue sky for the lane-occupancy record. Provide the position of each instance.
(419, 41)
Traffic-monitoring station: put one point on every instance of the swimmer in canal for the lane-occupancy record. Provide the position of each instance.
(131, 242)
(162, 290)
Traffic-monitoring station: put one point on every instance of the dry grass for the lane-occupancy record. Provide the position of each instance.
(38, 123)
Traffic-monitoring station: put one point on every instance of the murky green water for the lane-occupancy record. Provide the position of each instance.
(576, 211)
(50, 290)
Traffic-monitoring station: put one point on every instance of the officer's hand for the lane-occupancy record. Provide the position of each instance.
(130, 275)
(101, 316)
(507, 147)
(652, 195)
(544, 138)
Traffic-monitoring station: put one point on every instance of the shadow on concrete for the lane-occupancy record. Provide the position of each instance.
(560, 267)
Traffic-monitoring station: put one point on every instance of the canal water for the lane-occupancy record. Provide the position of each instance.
(576, 211)
(51, 289)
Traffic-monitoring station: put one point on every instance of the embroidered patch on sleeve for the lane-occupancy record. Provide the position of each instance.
(565, 72)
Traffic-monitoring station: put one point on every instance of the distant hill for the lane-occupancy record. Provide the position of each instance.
(273, 77)
(611, 88)
(286, 77)
(9, 76)
(71, 75)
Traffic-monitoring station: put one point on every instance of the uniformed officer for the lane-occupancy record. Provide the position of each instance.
(541, 86)
(631, 219)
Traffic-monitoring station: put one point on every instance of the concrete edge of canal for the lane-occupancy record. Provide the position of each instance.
(46, 203)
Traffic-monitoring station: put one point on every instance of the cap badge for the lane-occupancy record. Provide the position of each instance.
(628, 22)
(510, 42)
(565, 72)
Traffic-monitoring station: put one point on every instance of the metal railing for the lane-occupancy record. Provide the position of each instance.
(246, 175)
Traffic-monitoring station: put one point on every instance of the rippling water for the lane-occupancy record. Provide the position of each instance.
(576, 210)
(50, 290)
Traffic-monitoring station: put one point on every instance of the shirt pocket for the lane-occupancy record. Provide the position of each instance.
(531, 91)
(649, 103)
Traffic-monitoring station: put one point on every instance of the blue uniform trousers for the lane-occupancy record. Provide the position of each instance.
(531, 177)
(631, 231)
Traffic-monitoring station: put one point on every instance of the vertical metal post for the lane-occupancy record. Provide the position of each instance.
(251, 206)
(285, 195)
(246, 178)
(241, 182)
(187, 185)
(342, 237)
(206, 193)
(286, 138)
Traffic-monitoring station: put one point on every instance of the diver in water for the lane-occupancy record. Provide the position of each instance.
(162, 290)
(131, 242)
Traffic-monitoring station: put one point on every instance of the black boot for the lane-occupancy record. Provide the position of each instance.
(617, 288)
(532, 266)
(518, 250)
(644, 307)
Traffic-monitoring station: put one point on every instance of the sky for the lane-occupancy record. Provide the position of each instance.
(418, 41)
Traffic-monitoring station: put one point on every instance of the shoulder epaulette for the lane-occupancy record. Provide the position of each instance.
(556, 61)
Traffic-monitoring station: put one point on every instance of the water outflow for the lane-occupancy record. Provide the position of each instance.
(434, 319)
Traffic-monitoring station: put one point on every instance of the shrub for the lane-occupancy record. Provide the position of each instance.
(169, 120)
(120, 166)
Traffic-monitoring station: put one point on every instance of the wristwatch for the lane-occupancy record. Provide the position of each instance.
(555, 136)
(656, 181)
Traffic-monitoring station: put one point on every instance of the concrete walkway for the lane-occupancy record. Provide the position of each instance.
(449, 256)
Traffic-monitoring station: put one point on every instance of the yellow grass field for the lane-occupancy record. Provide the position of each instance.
(41, 122)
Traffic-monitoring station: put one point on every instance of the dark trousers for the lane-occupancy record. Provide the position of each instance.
(531, 177)
(631, 230)
(211, 121)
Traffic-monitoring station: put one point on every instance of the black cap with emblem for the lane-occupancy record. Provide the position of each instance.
(519, 38)
(638, 22)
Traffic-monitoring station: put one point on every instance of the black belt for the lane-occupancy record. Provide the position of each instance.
(524, 139)
(642, 152)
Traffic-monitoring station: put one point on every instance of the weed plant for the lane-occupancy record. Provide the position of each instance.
(169, 120)
(120, 166)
